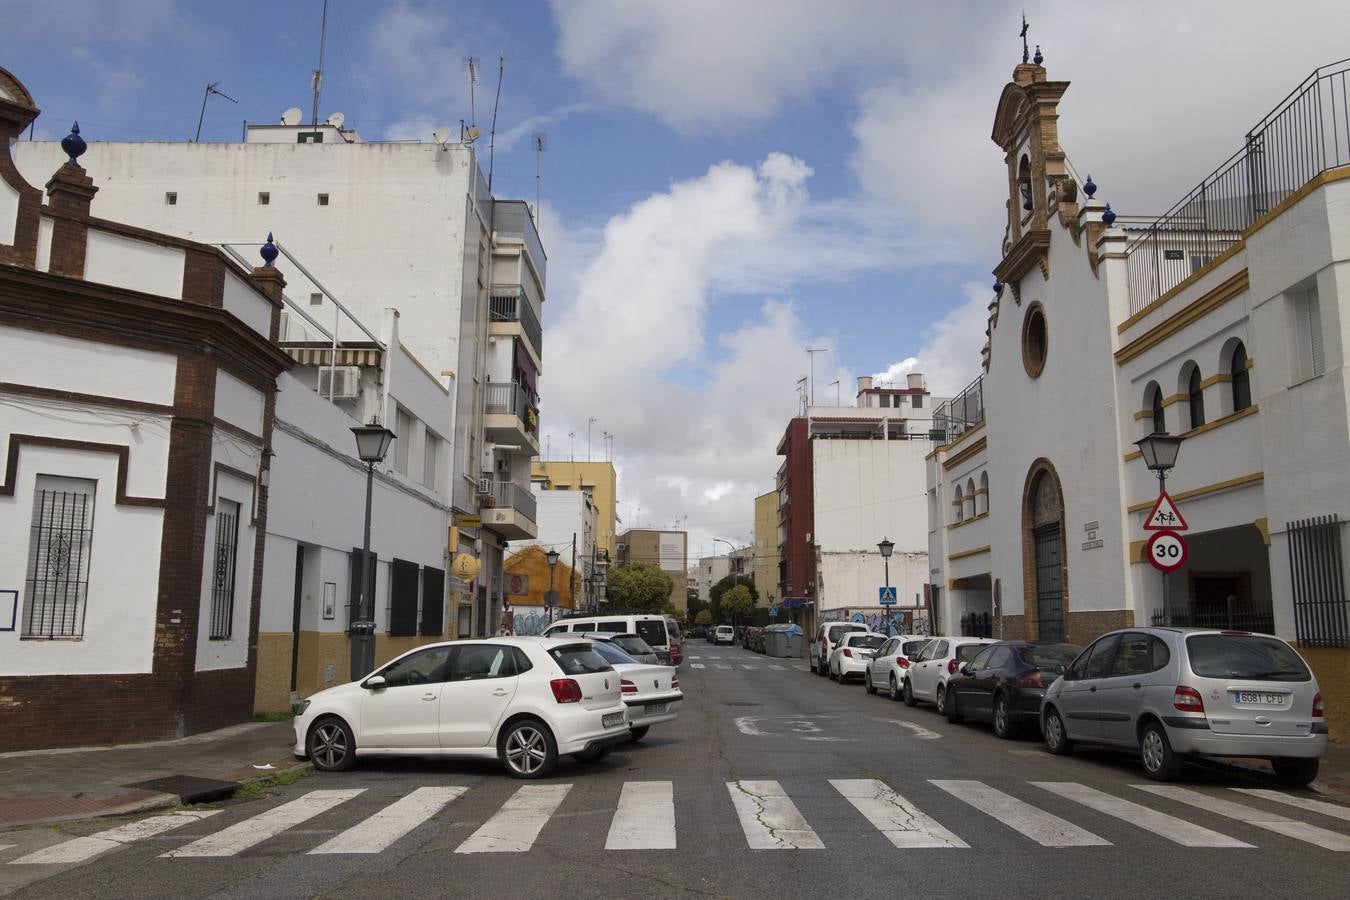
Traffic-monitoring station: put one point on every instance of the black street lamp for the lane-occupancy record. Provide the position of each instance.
(372, 443)
(552, 599)
(886, 546)
(1160, 451)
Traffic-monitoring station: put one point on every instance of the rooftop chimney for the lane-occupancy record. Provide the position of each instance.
(864, 383)
(914, 380)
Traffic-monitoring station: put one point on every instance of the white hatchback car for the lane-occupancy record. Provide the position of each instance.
(888, 667)
(827, 638)
(521, 700)
(650, 690)
(851, 655)
(926, 678)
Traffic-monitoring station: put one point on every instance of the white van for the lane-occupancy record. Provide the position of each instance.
(651, 627)
(827, 638)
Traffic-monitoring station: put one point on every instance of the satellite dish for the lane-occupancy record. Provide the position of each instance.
(441, 135)
(291, 116)
(472, 134)
(336, 119)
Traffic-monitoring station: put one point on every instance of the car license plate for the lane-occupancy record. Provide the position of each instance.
(612, 719)
(1260, 698)
(657, 708)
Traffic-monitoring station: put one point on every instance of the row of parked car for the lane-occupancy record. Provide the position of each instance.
(1166, 693)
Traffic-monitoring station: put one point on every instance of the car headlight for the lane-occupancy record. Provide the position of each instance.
(304, 705)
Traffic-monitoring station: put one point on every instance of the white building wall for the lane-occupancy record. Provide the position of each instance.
(71, 364)
(129, 263)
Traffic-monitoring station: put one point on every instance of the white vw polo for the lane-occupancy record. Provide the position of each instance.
(522, 700)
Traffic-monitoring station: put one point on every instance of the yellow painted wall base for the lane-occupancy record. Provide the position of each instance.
(1331, 665)
(325, 661)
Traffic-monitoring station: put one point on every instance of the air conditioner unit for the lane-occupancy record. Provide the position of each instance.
(485, 485)
(340, 383)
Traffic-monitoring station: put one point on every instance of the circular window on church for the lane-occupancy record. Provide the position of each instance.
(1034, 340)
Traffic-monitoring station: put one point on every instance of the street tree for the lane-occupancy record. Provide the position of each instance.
(738, 603)
(717, 591)
(641, 587)
(704, 617)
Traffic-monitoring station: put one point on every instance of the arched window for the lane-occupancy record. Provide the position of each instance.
(1242, 384)
(971, 497)
(959, 503)
(1153, 403)
(1195, 396)
(983, 503)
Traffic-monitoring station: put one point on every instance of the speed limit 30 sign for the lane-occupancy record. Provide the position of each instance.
(1166, 551)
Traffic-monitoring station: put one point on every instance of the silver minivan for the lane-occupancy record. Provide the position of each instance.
(1170, 692)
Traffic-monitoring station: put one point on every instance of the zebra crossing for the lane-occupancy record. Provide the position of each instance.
(644, 818)
(771, 667)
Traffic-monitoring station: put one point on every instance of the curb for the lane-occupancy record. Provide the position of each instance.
(147, 804)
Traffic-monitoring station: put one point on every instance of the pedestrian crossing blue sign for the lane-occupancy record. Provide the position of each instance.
(887, 596)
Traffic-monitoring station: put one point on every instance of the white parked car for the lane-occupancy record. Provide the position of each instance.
(651, 627)
(649, 691)
(927, 676)
(827, 638)
(887, 669)
(851, 655)
(521, 700)
(724, 634)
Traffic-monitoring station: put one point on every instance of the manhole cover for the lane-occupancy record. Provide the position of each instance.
(190, 788)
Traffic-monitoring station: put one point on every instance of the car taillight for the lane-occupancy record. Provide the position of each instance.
(1030, 680)
(1318, 711)
(627, 686)
(902, 662)
(565, 690)
(674, 682)
(1187, 699)
(848, 653)
(953, 666)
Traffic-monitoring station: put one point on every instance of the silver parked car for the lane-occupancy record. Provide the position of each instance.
(1170, 692)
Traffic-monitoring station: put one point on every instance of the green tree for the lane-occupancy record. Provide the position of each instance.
(738, 602)
(704, 617)
(719, 590)
(640, 587)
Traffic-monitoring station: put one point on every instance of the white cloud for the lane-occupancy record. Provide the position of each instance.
(950, 355)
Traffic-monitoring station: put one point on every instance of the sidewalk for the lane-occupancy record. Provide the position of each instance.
(41, 786)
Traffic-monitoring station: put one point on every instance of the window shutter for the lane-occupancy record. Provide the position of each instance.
(433, 601)
(354, 582)
(403, 598)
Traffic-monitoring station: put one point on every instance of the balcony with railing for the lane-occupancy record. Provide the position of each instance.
(512, 218)
(1306, 134)
(508, 304)
(510, 510)
(510, 415)
(960, 414)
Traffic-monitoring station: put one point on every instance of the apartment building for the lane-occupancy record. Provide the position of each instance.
(668, 550)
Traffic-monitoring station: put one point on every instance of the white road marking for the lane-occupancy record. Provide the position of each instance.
(720, 666)
(746, 725)
(1317, 806)
(769, 819)
(695, 657)
(894, 816)
(814, 737)
(250, 832)
(6, 846)
(514, 827)
(712, 657)
(697, 666)
(919, 731)
(81, 849)
(645, 819)
(1299, 831)
(391, 823)
(776, 668)
(749, 667)
(1179, 831)
(1044, 828)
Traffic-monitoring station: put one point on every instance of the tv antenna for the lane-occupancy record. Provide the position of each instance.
(318, 73)
(540, 141)
(492, 135)
(801, 394)
(212, 88)
(471, 68)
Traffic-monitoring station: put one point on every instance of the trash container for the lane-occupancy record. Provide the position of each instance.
(796, 643)
(776, 641)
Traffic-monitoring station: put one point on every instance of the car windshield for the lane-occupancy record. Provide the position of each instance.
(611, 653)
(1047, 656)
(867, 641)
(837, 632)
(1247, 656)
(579, 659)
(633, 645)
(967, 652)
(652, 631)
(914, 648)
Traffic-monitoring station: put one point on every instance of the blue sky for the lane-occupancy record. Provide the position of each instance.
(724, 182)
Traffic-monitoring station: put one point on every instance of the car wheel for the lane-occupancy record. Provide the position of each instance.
(948, 702)
(867, 682)
(528, 750)
(594, 755)
(940, 700)
(1056, 738)
(910, 699)
(1155, 752)
(638, 733)
(1003, 726)
(330, 746)
(1294, 773)
(822, 668)
(896, 691)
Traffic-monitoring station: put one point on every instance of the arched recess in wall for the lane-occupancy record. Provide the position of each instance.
(1233, 360)
(958, 503)
(1045, 578)
(971, 497)
(1153, 405)
(1189, 386)
(982, 495)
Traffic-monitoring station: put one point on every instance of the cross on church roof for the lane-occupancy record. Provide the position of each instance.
(1026, 52)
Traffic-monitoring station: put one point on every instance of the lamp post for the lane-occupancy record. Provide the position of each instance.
(551, 600)
(372, 443)
(886, 546)
(1160, 451)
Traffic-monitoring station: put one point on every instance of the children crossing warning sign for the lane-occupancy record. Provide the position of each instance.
(1165, 516)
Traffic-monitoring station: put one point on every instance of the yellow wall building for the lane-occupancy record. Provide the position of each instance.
(766, 546)
(596, 478)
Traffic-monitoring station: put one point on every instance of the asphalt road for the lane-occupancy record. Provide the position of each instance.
(772, 782)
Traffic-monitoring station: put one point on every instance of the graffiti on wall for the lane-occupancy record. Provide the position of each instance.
(530, 621)
(891, 623)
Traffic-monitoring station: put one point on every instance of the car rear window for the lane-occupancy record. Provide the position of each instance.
(611, 653)
(1049, 655)
(579, 659)
(835, 632)
(652, 631)
(614, 627)
(632, 645)
(1250, 657)
(674, 629)
(867, 641)
(967, 652)
(913, 647)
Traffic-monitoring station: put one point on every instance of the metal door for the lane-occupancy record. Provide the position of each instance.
(1049, 583)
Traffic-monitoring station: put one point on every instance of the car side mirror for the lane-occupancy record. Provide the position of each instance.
(1060, 669)
(374, 683)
